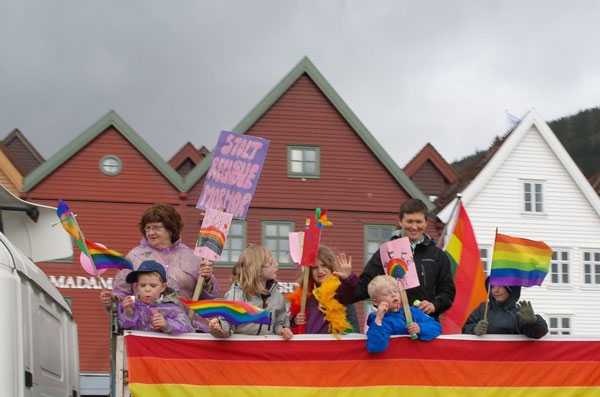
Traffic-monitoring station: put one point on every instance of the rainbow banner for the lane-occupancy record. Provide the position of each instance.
(519, 261)
(469, 277)
(459, 366)
(106, 258)
(69, 223)
(235, 312)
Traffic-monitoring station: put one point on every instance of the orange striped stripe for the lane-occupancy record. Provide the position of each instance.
(362, 373)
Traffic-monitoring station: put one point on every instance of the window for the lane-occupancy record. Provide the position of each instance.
(591, 267)
(560, 325)
(560, 267)
(486, 259)
(374, 236)
(276, 238)
(533, 197)
(303, 161)
(111, 165)
(235, 243)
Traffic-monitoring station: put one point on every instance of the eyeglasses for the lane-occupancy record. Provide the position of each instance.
(152, 228)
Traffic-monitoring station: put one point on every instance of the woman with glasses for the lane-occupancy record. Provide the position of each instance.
(161, 227)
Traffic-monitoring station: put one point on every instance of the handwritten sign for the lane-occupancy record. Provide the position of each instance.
(397, 259)
(234, 173)
(213, 234)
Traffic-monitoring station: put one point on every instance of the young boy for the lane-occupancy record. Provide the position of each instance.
(150, 310)
(389, 318)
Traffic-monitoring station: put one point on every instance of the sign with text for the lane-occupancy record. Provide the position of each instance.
(213, 234)
(234, 172)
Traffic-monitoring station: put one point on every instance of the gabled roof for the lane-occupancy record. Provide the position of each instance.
(305, 66)
(109, 119)
(9, 169)
(21, 152)
(188, 151)
(430, 153)
(503, 150)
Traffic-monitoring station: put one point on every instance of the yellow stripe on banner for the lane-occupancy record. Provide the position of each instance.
(166, 390)
(454, 248)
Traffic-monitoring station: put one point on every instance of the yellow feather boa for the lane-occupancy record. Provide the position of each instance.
(334, 311)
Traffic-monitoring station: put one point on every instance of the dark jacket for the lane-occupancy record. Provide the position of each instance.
(503, 318)
(433, 270)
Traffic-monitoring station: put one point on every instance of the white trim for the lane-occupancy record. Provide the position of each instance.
(511, 142)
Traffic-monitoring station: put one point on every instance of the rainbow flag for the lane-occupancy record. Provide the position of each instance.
(322, 219)
(198, 365)
(519, 261)
(469, 277)
(106, 258)
(235, 312)
(69, 223)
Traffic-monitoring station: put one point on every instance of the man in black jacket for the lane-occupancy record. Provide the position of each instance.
(436, 290)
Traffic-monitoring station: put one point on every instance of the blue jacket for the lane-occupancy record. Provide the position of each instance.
(394, 323)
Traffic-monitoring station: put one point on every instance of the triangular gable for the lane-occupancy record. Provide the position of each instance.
(305, 66)
(430, 153)
(108, 120)
(187, 151)
(21, 152)
(511, 142)
(13, 175)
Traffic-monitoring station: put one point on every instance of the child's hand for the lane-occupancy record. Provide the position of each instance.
(206, 268)
(344, 266)
(300, 319)
(382, 309)
(128, 302)
(158, 320)
(286, 333)
(413, 328)
(215, 328)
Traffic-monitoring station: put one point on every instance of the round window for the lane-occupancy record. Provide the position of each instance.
(111, 165)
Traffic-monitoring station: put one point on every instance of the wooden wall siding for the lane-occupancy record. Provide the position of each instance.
(430, 180)
(80, 178)
(22, 158)
(351, 176)
(7, 183)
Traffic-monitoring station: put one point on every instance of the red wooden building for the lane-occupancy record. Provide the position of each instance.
(320, 155)
(431, 172)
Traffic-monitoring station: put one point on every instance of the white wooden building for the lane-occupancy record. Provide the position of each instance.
(532, 188)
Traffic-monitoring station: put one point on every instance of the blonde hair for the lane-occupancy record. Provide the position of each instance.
(250, 269)
(381, 282)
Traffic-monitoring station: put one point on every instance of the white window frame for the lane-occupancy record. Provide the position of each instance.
(227, 247)
(534, 201)
(118, 165)
(289, 264)
(366, 241)
(304, 173)
(486, 261)
(560, 329)
(560, 262)
(592, 262)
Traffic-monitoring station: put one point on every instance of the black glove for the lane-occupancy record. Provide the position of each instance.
(526, 314)
(481, 328)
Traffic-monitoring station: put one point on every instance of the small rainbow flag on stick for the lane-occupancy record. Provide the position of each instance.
(106, 258)
(519, 261)
(235, 312)
(69, 223)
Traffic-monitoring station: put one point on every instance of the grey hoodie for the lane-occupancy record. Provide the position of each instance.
(273, 301)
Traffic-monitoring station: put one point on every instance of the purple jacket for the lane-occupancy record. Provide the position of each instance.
(177, 320)
(182, 270)
(315, 319)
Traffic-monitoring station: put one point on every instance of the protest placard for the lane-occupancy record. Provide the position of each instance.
(234, 173)
(213, 234)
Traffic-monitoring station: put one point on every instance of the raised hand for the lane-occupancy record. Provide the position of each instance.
(526, 313)
(343, 265)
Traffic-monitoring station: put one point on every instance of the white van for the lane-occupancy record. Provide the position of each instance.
(39, 353)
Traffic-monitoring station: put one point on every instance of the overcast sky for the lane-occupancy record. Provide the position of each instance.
(177, 71)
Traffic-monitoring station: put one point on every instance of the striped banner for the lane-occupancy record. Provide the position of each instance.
(310, 365)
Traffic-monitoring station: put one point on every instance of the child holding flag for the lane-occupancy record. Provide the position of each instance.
(390, 320)
(256, 285)
(151, 309)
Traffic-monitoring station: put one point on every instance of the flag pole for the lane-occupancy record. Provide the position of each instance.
(305, 280)
(487, 302)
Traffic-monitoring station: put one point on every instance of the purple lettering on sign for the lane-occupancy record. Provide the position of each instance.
(234, 173)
